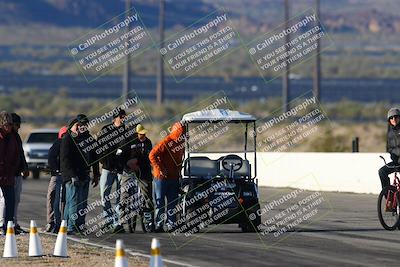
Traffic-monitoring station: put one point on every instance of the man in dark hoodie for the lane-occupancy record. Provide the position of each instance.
(75, 163)
(392, 145)
(10, 159)
(167, 158)
(54, 188)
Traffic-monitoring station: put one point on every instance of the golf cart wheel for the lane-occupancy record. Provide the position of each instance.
(35, 174)
(252, 221)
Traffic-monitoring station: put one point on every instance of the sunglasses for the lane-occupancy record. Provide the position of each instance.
(392, 117)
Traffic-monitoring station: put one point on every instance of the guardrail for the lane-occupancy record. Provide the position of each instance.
(341, 172)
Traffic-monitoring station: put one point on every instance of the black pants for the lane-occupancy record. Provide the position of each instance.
(384, 174)
(146, 185)
(9, 203)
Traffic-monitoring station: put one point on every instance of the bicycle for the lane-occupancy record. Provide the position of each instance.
(389, 202)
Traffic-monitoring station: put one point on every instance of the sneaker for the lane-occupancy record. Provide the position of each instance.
(56, 228)
(119, 229)
(49, 228)
(159, 229)
(71, 232)
(19, 230)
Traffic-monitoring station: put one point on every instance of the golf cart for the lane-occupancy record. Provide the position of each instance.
(219, 188)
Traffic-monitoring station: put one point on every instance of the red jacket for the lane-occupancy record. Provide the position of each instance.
(9, 158)
(167, 156)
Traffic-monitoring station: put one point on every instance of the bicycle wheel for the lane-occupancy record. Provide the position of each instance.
(388, 217)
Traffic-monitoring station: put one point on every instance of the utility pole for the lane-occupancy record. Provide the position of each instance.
(126, 83)
(317, 66)
(160, 70)
(285, 77)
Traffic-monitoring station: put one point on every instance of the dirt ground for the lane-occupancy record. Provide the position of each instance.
(79, 255)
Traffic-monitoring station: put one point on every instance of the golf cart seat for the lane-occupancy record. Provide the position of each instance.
(201, 167)
(243, 172)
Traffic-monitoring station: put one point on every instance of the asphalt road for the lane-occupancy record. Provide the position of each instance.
(329, 229)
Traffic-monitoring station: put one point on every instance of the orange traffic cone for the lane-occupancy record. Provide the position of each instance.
(60, 249)
(120, 258)
(10, 246)
(35, 246)
(155, 255)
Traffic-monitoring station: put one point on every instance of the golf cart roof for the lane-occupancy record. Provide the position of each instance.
(216, 115)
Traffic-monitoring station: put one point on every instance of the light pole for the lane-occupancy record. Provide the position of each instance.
(317, 66)
(126, 83)
(285, 77)
(160, 69)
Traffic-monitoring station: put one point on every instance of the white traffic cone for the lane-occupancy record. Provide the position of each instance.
(120, 258)
(155, 255)
(35, 246)
(10, 246)
(60, 249)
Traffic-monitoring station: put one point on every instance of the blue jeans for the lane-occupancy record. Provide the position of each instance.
(9, 203)
(76, 203)
(107, 180)
(53, 200)
(165, 189)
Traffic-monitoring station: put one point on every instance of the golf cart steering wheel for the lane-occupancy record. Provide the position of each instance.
(232, 160)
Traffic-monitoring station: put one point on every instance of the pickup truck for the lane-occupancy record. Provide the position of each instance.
(36, 149)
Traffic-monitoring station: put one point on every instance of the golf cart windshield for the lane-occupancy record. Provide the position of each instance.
(220, 132)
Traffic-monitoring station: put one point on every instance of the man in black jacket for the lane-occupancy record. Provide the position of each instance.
(392, 145)
(54, 188)
(113, 135)
(75, 163)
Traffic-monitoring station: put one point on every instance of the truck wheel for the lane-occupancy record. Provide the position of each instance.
(36, 174)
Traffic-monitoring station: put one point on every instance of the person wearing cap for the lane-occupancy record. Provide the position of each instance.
(392, 145)
(166, 159)
(10, 160)
(22, 171)
(112, 169)
(137, 166)
(75, 164)
(54, 188)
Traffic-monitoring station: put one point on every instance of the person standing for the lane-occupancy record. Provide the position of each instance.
(54, 188)
(22, 171)
(112, 169)
(137, 170)
(141, 147)
(167, 158)
(10, 159)
(75, 168)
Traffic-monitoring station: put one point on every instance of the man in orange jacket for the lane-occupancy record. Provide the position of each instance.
(166, 159)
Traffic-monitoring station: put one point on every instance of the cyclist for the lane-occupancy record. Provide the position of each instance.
(392, 145)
